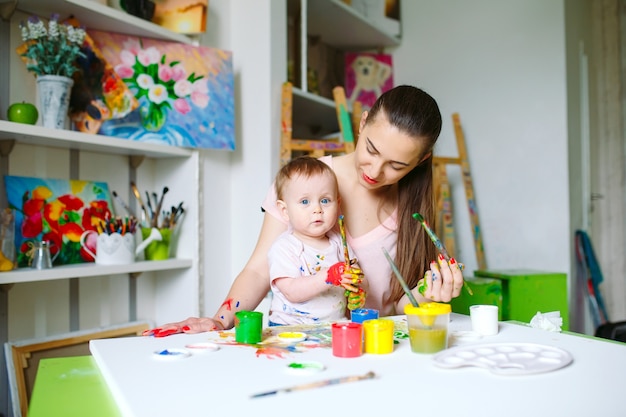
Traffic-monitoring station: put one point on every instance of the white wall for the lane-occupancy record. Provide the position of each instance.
(235, 183)
(501, 65)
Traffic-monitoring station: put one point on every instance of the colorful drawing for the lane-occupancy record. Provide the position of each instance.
(368, 75)
(58, 211)
(98, 93)
(185, 92)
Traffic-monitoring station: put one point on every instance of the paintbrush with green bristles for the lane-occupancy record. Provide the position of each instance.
(439, 244)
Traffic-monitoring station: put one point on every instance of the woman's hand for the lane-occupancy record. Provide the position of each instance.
(190, 325)
(442, 282)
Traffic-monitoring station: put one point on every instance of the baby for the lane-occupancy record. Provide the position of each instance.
(308, 273)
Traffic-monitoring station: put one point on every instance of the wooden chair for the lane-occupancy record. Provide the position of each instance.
(344, 143)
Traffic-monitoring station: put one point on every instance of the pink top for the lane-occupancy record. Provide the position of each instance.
(368, 251)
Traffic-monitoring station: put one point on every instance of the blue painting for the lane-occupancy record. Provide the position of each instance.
(185, 92)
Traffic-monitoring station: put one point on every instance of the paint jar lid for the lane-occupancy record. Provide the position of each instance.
(305, 368)
(171, 354)
(202, 347)
(291, 337)
(428, 309)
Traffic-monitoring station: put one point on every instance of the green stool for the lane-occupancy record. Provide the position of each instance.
(519, 294)
(71, 386)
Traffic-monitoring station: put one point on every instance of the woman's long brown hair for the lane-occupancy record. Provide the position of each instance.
(416, 113)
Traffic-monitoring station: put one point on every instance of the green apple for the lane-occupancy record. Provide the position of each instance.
(23, 113)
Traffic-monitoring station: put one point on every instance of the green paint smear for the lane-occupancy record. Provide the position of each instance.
(296, 365)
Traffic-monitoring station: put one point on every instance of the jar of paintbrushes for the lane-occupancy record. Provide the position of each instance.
(158, 224)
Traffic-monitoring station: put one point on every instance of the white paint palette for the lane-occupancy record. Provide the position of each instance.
(505, 358)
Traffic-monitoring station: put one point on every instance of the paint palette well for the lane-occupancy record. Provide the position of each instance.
(291, 337)
(305, 368)
(202, 347)
(171, 354)
(505, 358)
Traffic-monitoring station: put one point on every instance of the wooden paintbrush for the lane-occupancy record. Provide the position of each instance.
(439, 244)
(319, 384)
(401, 280)
(133, 186)
(160, 203)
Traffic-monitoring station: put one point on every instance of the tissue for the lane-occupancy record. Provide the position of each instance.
(551, 321)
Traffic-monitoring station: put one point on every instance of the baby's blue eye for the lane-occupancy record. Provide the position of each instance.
(304, 202)
(325, 201)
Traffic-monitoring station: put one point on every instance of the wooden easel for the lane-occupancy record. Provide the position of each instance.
(444, 225)
(344, 143)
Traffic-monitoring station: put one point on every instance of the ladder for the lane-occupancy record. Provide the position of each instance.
(445, 225)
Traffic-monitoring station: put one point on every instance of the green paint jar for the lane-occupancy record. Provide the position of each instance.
(248, 327)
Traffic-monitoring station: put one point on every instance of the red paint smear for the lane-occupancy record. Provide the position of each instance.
(271, 352)
(228, 303)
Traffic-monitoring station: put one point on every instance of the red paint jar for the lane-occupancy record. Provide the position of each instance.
(347, 339)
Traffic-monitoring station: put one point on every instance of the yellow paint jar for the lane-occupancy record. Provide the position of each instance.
(428, 326)
(378, 336)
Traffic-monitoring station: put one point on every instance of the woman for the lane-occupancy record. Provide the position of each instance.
(382, 183)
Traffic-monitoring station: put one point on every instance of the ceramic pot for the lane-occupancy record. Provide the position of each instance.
(53, 92)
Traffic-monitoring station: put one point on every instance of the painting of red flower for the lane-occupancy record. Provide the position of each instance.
(58, 211)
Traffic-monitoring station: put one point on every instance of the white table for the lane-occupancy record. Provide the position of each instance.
(221, 382)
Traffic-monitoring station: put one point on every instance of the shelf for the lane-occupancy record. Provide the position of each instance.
(22, 275)
(340, 26)
(70, 139)
(94, 15)
(315, 112)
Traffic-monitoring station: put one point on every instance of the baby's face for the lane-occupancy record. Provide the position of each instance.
(311, 205)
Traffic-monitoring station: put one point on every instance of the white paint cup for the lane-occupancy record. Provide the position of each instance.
(484, 319)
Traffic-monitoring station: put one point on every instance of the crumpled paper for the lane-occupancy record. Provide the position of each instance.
(551, 321)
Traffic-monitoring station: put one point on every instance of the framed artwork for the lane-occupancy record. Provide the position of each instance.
(185, 92)
(58, 211)
(98, 93)
(182, 16)
(368, 75)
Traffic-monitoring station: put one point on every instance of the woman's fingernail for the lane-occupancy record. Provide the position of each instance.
(452, 261)
(186, 328)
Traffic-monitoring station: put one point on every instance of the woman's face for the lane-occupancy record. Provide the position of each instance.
(385, 154)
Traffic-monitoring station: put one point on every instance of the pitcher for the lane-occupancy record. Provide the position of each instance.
(40, 255)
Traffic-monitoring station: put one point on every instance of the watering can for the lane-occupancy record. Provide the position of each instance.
(116, 248)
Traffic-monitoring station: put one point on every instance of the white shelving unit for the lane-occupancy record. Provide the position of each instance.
(171, 289)
(338, 25)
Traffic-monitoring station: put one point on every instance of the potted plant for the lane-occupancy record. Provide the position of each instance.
(50, 53)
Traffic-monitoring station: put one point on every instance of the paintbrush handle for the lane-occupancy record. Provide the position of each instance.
(318, 384)
(401, 280)
(344, 240)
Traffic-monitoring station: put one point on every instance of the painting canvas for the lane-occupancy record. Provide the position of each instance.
(98, 93)
(182, 16)
(58, 211)
(368, 75)
(185, 92)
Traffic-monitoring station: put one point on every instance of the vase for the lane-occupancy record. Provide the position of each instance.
(54, 99)
(153, 118)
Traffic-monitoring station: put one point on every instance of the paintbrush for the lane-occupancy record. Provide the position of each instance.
(439, 244)
(160, 203)
(139, 200)
(122, 203)
(344, 241)
(318, 384)
(401, 280)
(150, 209)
